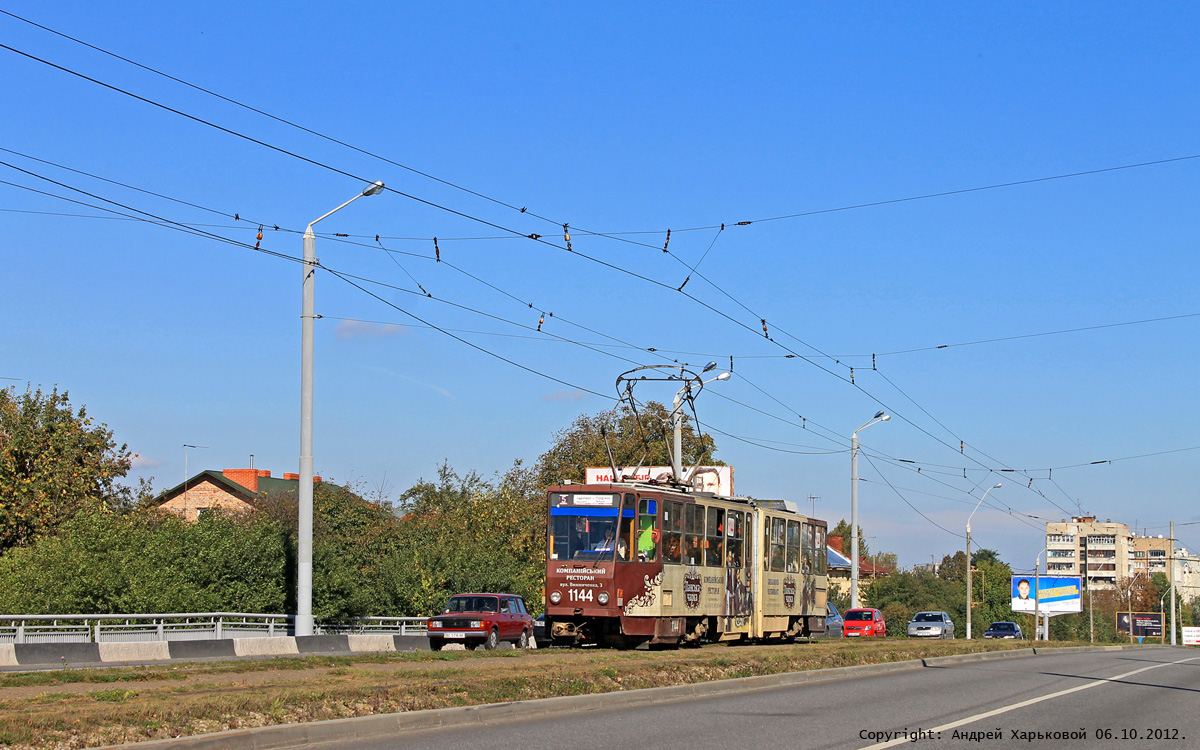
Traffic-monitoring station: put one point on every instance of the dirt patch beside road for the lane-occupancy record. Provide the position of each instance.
(86, 708)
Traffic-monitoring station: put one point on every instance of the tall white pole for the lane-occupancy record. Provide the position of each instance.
(304, 494)
(854, 521)
(677, 424)
(1037, 583)
(970, 590)
(304, 617)
(1171, 571)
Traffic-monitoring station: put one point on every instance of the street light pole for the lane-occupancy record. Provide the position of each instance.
(969, 579)
(304, 495)
(677, 419)
(879, 417)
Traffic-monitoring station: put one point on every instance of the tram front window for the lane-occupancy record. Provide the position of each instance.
(591, 538)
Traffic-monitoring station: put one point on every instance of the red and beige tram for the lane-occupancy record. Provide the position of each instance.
(639, 564)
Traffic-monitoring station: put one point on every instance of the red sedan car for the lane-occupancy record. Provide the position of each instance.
(863, 622)
(482, 619)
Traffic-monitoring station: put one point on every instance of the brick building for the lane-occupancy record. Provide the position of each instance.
(230, 490)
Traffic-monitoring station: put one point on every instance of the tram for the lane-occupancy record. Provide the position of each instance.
(634, 565)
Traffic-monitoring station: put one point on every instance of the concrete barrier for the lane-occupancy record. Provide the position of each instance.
(137, 651)
(276, 646)
(323, 644)
(65, 654)
(8, 655)
(411, 642)
(201, 649)
(371, 643)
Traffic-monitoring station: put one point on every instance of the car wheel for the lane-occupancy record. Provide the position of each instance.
(493, 640)
(523, 641)
(435, 644)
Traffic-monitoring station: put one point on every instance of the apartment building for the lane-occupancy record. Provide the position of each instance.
(1085, 547)
(1149, 555)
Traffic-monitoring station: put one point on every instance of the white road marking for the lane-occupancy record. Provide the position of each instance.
(1030, 702)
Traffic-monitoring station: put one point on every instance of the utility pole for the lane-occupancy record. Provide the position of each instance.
(304, 492)
(1171, 572)
(879, 417)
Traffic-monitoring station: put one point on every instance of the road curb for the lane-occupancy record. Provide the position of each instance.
(938, 661)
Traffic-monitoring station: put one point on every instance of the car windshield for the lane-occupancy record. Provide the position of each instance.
(858, 614)
(1003, 626)
(928, 617)
(473, 604)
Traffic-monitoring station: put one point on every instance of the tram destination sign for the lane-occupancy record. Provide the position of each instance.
(585, 500)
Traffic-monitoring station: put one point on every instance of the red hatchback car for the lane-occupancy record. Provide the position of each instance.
(863, 622)
(482, 619)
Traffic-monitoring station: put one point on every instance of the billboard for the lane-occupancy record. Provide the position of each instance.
(1056, 595)
(715, 479)
(1145, 624)
(1191, 636)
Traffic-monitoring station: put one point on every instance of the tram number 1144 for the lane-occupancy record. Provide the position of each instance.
(580, 595)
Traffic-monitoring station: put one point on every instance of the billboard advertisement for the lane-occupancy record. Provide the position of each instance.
(1055, 595)
(1145, 624)
(715, 479)
(1191, 636)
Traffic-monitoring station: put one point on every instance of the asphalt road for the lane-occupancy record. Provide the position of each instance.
(1134, 699)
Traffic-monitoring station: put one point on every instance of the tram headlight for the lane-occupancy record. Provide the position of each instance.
(555, 597)
(603, 597)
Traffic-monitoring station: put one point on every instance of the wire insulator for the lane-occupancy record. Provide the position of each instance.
(872, 361)
(722, 226)
(567, 235)
(685, 281)
(962, 447)
(437, 251)
(764, 325)
(743, 223)
(668, 242)
(540, 321)
(258, 239)
(851, 375)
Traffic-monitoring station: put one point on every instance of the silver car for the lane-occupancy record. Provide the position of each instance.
(931, 625)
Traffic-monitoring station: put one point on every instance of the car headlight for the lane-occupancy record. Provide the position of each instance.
(603, 597)
(475, 624)
(555, 597)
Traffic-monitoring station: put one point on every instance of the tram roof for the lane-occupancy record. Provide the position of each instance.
(783, 505)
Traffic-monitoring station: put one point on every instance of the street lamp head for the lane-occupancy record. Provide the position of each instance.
(998, 485)
(710, 366)
(724, 376)
(373, 188)
(883, 417)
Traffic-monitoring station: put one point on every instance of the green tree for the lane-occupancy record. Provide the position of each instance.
(148, 562)
(464, 533)
(843, 530)
(985, 555)
(953, 567)
(631, 438)
(54, 462)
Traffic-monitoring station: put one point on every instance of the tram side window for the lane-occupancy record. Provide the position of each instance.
(647, 534)
(672, 531)
(822, 554)
(693, 539)
(733, 533)
(793, 546)
(714, 550)
(625, 539)
(806, 549)
(777, 544)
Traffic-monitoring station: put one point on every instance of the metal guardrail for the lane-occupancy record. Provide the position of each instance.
(186, 626)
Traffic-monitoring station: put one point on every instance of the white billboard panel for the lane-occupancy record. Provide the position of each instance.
(715, 479)
(1057, 595)
(1191, 636)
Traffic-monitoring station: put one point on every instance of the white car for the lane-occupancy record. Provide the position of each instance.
(931, 625)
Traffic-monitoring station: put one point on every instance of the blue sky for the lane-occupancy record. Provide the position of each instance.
(631, 118)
